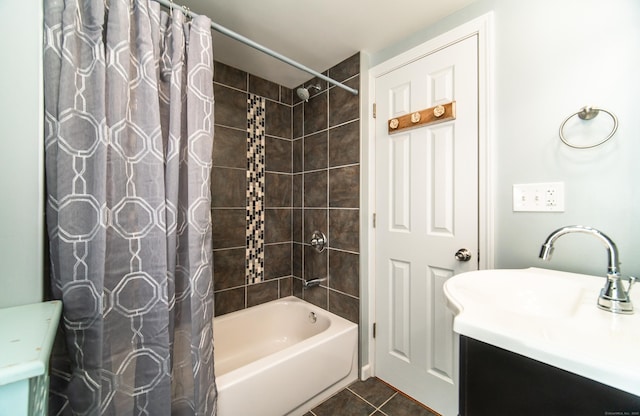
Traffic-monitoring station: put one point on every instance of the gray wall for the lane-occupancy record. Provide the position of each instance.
(21, 153)
(551, 58)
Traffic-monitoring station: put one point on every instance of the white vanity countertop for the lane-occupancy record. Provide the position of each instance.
(26, 337)
(552, 317)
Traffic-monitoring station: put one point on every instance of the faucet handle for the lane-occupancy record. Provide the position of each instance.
(318, 241)
(614, 297)
(632, 280)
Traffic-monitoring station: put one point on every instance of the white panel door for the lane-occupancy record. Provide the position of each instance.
(427, 209)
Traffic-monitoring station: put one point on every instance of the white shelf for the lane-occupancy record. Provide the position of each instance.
(26, 338)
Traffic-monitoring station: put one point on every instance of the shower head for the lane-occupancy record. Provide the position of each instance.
(303, 92)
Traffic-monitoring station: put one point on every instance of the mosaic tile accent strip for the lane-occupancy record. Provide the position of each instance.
(255, 187)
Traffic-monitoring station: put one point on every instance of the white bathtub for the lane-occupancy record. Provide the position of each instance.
(273, 360)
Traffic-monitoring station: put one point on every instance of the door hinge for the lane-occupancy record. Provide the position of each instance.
(374, 110)
(374, 329)
(374, 220)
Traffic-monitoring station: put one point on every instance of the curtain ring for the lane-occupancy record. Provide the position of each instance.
(588, 113)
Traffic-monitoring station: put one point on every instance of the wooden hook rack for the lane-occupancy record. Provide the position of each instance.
(432, 115)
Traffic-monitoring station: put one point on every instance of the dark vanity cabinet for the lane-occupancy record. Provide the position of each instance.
(496, 382)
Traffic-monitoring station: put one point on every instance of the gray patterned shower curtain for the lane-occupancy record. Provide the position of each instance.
(128, 136)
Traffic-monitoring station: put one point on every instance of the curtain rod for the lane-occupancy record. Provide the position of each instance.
(219, 28)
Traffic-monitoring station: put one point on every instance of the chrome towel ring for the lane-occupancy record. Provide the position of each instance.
(588, 113)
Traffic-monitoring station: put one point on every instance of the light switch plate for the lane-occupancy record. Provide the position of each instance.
(539, 197)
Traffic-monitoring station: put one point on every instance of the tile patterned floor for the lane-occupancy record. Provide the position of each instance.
(370, 398)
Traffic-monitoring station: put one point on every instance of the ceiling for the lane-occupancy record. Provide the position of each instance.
(315, 33)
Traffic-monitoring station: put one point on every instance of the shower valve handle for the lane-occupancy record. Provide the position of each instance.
(318, 241)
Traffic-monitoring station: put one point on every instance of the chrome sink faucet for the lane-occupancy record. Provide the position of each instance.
(613, 296)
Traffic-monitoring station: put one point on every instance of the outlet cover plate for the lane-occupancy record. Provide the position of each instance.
(538, 197)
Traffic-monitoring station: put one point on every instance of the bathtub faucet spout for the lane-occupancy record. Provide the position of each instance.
(306, 284)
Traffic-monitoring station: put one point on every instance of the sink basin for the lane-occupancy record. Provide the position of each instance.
(552, 317)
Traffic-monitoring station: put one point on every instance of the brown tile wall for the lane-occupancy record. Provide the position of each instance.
(228, 184)
(326, 191)
(312, 158)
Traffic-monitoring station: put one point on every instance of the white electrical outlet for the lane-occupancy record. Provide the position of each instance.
(539, 197)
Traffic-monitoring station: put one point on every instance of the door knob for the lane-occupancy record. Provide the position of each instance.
(463, 255)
